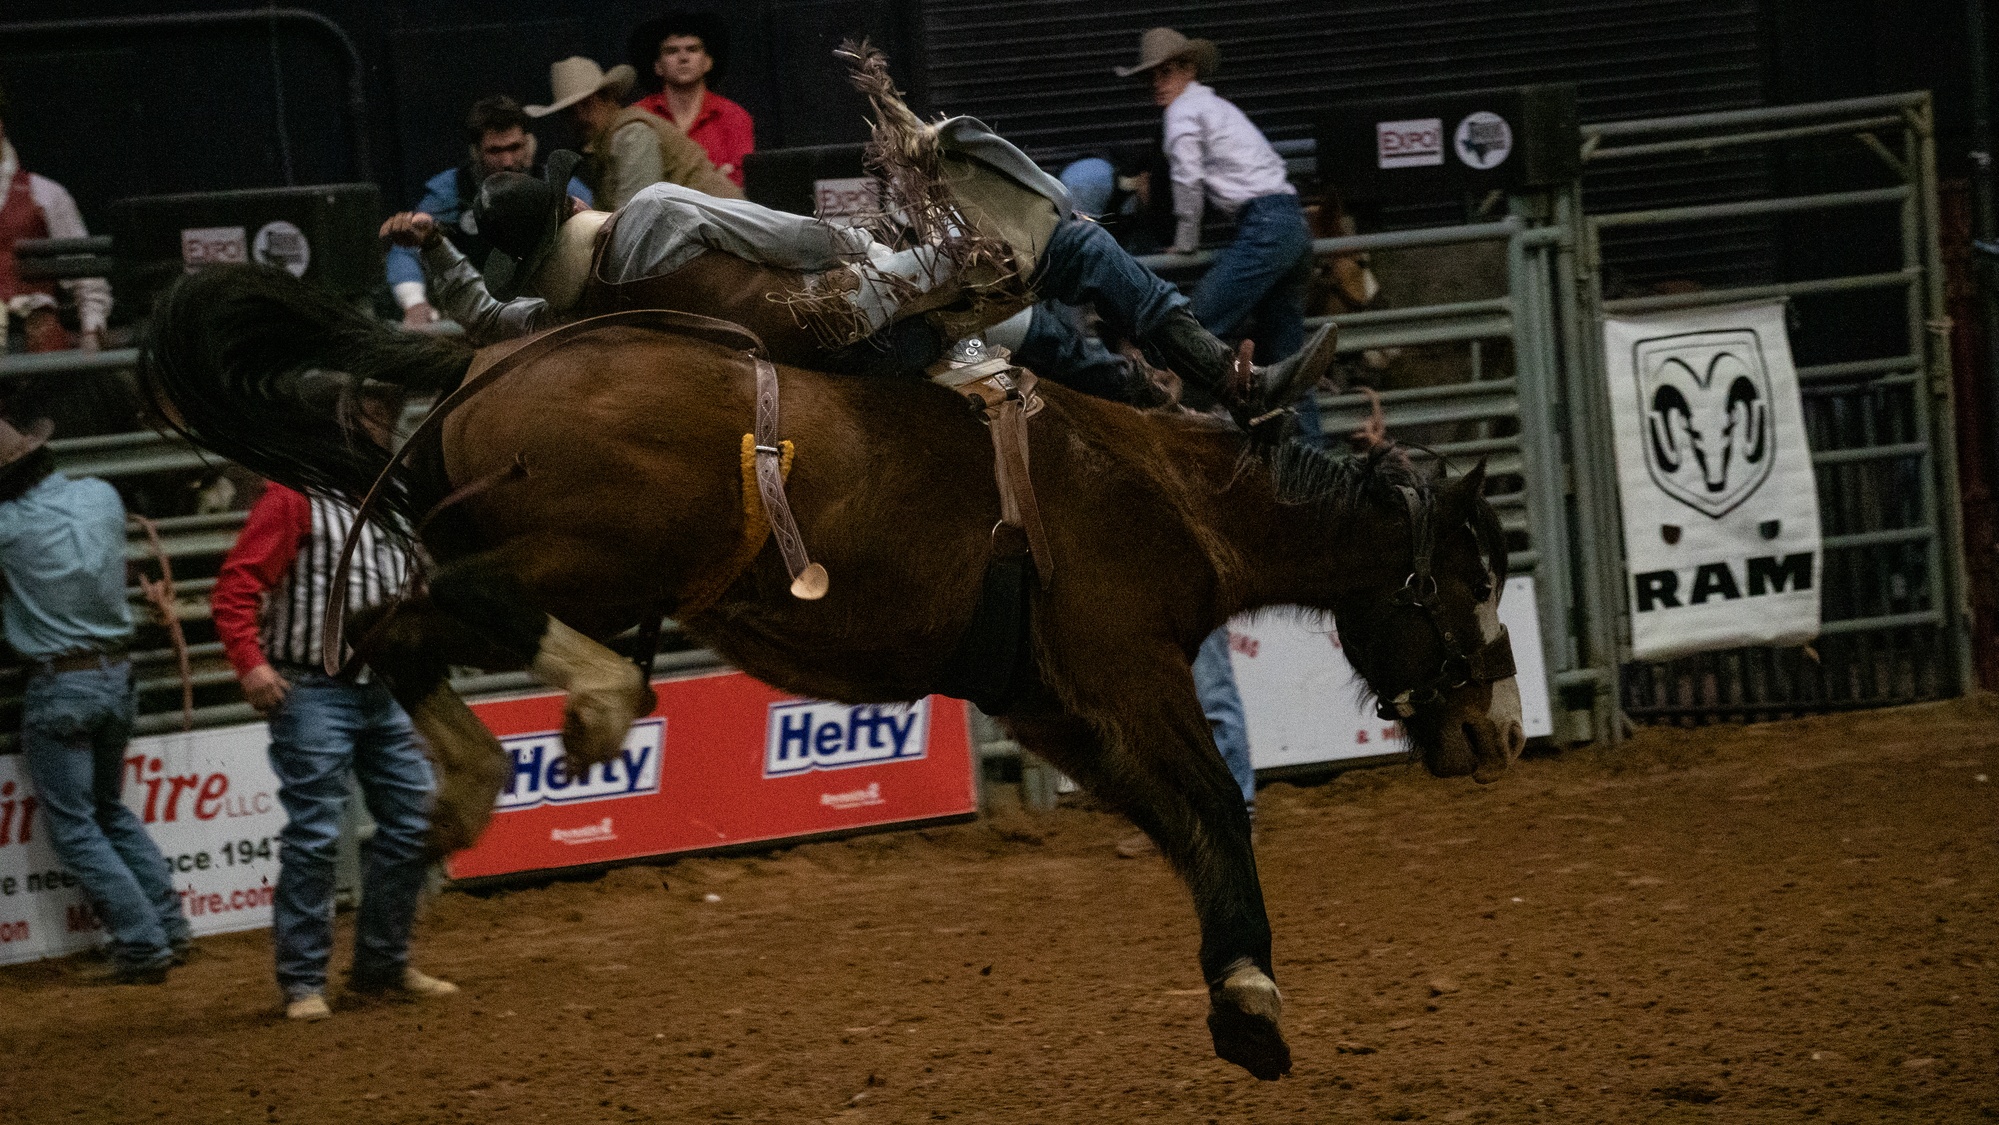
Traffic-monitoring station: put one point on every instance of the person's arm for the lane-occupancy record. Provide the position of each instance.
(634, 165)
(737, 139)
(686, 163)
(459, 292)
(91, 294)
(278, 522)
(1186, 157)
(405, 268)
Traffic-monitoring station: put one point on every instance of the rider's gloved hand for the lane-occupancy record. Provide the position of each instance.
(413, 229)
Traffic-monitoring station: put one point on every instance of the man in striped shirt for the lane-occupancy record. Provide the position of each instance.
(269, 600)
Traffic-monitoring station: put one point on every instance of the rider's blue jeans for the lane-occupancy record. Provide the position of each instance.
(1214, 682)
(74, 727)
(1084, 265)
(323, 728)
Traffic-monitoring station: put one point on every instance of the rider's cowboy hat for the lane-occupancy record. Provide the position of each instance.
(642, 48)
(519, 216)
(15, 445)
(1163, 45)
(576, 78)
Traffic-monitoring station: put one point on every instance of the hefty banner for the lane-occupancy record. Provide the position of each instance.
(209, 800)
(1303, 702)
(723, 760)
(1721, 517)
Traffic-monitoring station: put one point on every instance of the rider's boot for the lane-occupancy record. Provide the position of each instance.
(1253, 394)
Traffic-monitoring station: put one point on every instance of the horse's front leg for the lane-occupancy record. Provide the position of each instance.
(1154, 758)
(604, 691)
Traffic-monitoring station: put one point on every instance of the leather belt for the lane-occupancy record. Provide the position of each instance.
(82, 660)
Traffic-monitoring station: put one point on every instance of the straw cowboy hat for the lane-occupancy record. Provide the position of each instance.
(15, 445)
(576, 78)
(1163, 45)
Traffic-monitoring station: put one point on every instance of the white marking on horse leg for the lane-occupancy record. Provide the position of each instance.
(1505, 709)
(604, 690)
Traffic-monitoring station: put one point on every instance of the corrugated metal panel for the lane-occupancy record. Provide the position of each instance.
(1041, 72)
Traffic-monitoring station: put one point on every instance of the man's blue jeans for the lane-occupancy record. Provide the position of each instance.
(324, 728)
(1258, 281)
(1214, 683)
(74, 727)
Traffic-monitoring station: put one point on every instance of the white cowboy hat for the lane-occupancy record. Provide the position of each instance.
(1163, 45)
(576, 78)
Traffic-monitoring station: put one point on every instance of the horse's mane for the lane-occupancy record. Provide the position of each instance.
(1307, 476)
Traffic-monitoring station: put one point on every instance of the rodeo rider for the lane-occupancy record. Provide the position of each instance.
(680, 249)
(497, 140)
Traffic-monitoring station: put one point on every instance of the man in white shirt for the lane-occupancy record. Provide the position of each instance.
(1256, 286)
(34, 206)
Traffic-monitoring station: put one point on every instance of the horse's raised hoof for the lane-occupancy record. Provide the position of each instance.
(452, 830)
(1244, 1012)
(594, 720)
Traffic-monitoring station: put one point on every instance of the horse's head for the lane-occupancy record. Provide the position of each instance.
(1427, 639)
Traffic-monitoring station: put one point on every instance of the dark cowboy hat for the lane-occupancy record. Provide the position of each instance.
(519, 216)
(642, 48)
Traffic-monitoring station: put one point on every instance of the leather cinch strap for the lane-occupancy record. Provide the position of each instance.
(535, 348)
(808, 579)
(1005, 395)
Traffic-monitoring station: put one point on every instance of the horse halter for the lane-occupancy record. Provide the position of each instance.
(1490, 662)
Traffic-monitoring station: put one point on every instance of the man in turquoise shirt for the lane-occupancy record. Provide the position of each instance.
(62, 549)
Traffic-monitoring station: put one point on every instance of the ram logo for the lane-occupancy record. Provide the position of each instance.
(1705, 397)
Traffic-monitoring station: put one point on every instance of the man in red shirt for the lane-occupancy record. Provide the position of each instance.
(676, 56)
(269, 600)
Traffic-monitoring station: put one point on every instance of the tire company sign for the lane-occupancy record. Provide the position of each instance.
(210, 802)
(1721, 523)
(723, 760)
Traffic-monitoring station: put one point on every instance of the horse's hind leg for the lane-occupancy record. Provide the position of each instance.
(411, 648)
(1157, 763)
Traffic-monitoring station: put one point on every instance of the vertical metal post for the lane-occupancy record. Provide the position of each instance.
(1599, 559)
(1537, 375)
(1929, 334)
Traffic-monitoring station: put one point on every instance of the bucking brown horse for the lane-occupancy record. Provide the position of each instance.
(602, 483)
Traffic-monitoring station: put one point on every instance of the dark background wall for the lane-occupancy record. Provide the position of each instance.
(113, 113)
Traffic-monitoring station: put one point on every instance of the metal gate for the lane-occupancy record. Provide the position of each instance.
(1869, 331)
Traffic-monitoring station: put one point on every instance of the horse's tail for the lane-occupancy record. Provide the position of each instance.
(280, 377)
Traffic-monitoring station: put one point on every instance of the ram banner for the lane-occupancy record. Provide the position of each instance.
(1721, 517)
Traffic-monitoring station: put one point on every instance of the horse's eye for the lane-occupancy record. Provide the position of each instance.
(1482, 590)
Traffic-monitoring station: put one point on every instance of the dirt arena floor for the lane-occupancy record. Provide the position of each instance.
(1788, 922)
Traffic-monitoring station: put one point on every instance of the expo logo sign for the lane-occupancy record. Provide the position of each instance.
(542, 774)
(801, 737)
(1409, 144)
(844, 202)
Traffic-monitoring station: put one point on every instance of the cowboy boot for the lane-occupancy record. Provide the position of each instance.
(1251, 393)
